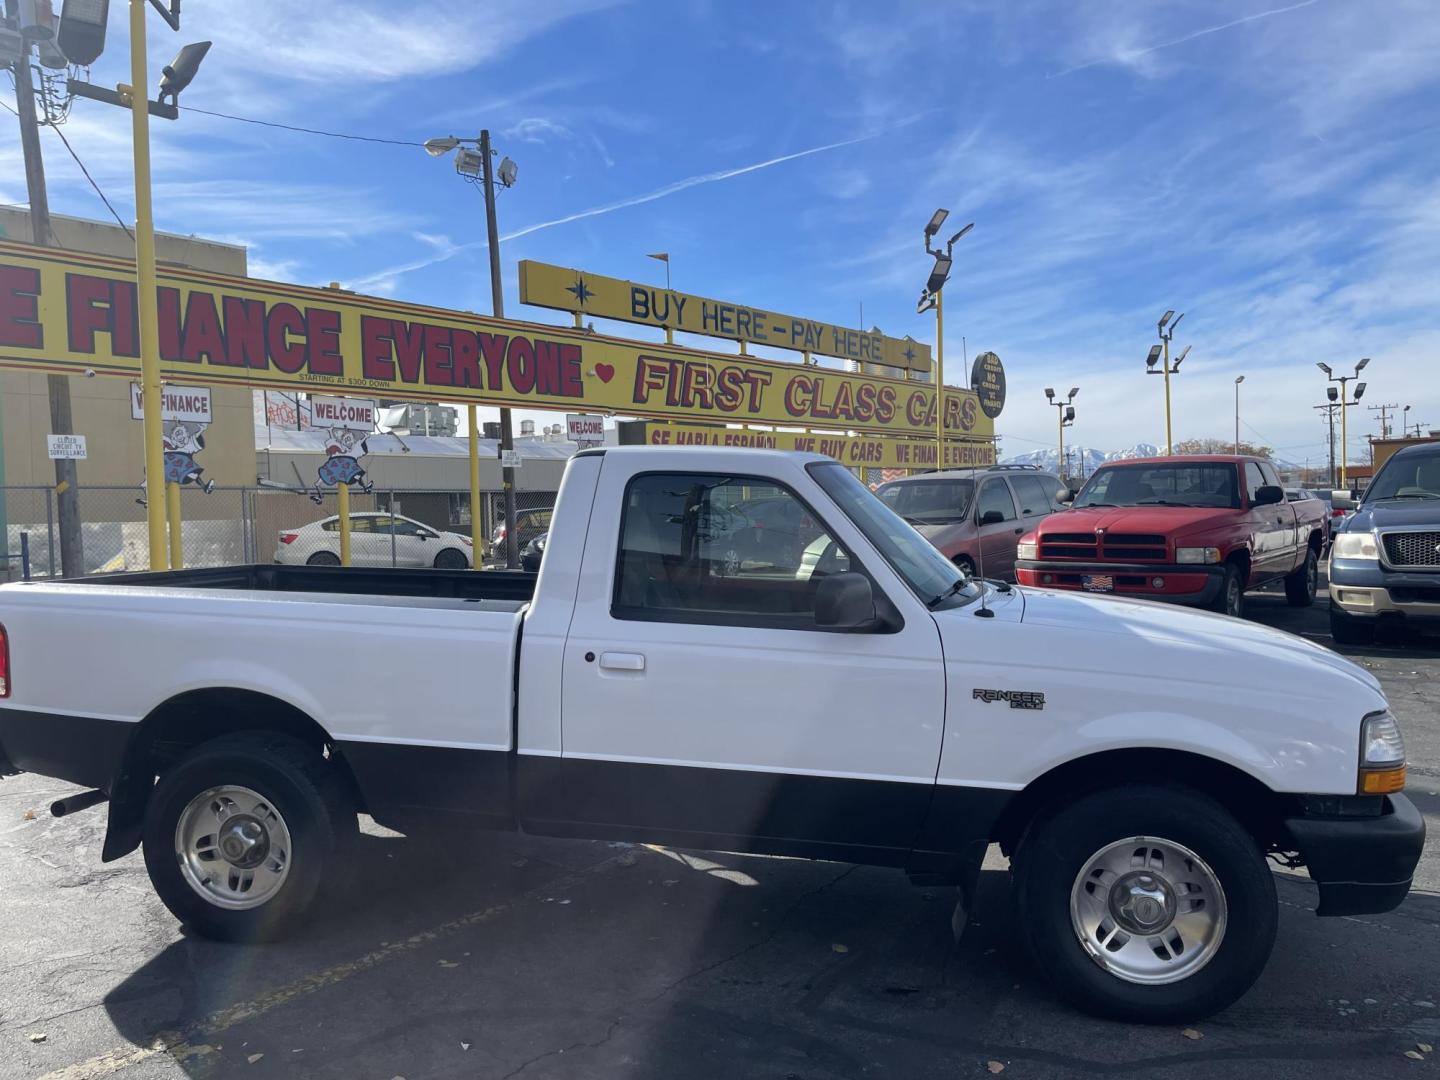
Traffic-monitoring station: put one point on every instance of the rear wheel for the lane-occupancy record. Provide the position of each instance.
(1348, 630)
(1300, 585)
(239, 834)
(323, 558)
(965, 563)
(1146, 903)
(1231, 598)
(450, 559)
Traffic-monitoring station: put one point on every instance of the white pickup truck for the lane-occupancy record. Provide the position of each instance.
(829, 686)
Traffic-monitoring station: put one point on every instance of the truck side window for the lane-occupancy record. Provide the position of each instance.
(701, 547)
(1034, 500)
(1254, 478)
(994, 495)
(1271, 476)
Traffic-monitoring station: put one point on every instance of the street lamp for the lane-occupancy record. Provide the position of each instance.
(1405, 422)
(933, 295)
(476, 164)
(1166, 330)
(1238, 380)
(1344, 407)
(1066, 416)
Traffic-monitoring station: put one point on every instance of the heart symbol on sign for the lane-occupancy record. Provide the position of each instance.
(605, 372)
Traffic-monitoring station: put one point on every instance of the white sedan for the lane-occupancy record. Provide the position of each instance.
(375, 540)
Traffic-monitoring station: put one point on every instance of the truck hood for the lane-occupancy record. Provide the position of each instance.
(1169, 520)
(1164, 638)
(1384, 514)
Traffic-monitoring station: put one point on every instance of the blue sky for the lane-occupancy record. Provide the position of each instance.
(1271, 168)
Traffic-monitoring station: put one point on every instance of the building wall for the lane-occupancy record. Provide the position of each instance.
(101, 406)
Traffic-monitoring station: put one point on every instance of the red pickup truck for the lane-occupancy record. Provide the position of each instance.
(1195, 530)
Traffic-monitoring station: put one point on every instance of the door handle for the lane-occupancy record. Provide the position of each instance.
(622, 661)
(1020, 531)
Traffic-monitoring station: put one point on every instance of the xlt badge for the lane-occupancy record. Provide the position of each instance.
(1018, 699)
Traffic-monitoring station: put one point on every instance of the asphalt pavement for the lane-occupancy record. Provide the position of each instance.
(505, 956)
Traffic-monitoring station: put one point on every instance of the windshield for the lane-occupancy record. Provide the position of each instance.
(929, 502)
(1201, 483)
(930, 575)
(1408, 476)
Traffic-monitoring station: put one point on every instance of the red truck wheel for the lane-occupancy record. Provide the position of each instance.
(1231, 598)
(1300, 586)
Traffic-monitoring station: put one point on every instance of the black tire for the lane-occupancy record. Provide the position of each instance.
(305, 789)
(1348, 630)
(451, 559)
(965, 563)
(1300, 585)
(1059, 846)
(323, 558)
(1230, 600)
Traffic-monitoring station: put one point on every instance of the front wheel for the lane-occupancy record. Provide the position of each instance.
(451, 559)
(1301, 584)
(239, 834)
(1231, 598)
(1146, 903)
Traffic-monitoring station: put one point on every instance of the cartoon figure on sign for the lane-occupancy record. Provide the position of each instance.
(183, 439)
(342, 463)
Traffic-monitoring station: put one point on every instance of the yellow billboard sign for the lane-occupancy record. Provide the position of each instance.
(868, 451)
(74, 312)
(564, 289)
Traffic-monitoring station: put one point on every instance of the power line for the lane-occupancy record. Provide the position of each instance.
(93, 184)
(302, 130)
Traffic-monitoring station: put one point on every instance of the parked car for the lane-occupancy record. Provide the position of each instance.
(976, 531)
(1137, 762)
(533, 552)
(530, 524)
(375, 540)
(1385, 562)
(1197, 530)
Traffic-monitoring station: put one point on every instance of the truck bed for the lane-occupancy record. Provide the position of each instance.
(504, 587)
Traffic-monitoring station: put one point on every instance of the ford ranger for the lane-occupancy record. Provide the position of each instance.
(856, 698)
(1198, 530)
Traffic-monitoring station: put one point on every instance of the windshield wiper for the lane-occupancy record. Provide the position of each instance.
(1409, 495)
(936, 601)
(1165, 502)
(1088, 505)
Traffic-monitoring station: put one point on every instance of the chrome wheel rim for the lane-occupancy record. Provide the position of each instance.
(233, 847)
(1313, 577)
(1232, 596)
(1148, 910)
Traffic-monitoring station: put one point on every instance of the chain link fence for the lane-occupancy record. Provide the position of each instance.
(228, 526)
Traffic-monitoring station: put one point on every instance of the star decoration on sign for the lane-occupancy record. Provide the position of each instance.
(909, 355)
(581, 290)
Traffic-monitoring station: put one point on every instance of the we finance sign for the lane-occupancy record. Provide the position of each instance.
(71, 311)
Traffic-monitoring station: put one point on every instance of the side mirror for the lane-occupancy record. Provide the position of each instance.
(1342, 500)
(1268, 495)
(845, 602)
(1069, 496)
(991, 517)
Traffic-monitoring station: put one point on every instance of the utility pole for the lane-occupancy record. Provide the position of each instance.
(1330, 408)
(67, 496)
(1384, 411)
(497, 298)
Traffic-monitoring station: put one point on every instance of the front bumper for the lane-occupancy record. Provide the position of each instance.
(1188, 583)
(1366, 590)
(1362, 865)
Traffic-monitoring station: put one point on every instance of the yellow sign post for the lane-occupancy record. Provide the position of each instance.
(73, 312)
(564, 289)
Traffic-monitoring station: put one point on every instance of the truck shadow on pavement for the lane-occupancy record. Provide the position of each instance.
(497, 956)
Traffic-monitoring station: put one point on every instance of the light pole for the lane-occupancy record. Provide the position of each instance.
(1344, 409)
(1405, 422)
(1166, 329)
(1238, 380)
(1066, 418)
(476, 164)
(933, 296)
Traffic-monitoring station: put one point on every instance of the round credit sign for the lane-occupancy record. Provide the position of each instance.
(987, 379)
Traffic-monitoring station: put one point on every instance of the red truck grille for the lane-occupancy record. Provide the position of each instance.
(1116, 547)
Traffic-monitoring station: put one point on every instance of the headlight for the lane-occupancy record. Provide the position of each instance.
(1356, 545)
(1382, 755)
(1027, 549)
(539, 543)
(1197, 555)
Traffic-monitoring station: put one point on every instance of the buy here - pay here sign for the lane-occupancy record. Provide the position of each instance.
(71, 311)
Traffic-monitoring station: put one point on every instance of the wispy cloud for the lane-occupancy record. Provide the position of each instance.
(386, 278)
(1129, 56)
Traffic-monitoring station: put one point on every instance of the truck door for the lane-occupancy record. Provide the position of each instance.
(997, 539)
(701, 703)
(1287, 546)
(1268, 529)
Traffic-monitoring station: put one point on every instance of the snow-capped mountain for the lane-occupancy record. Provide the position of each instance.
(1078, 456)
(1139, 450)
